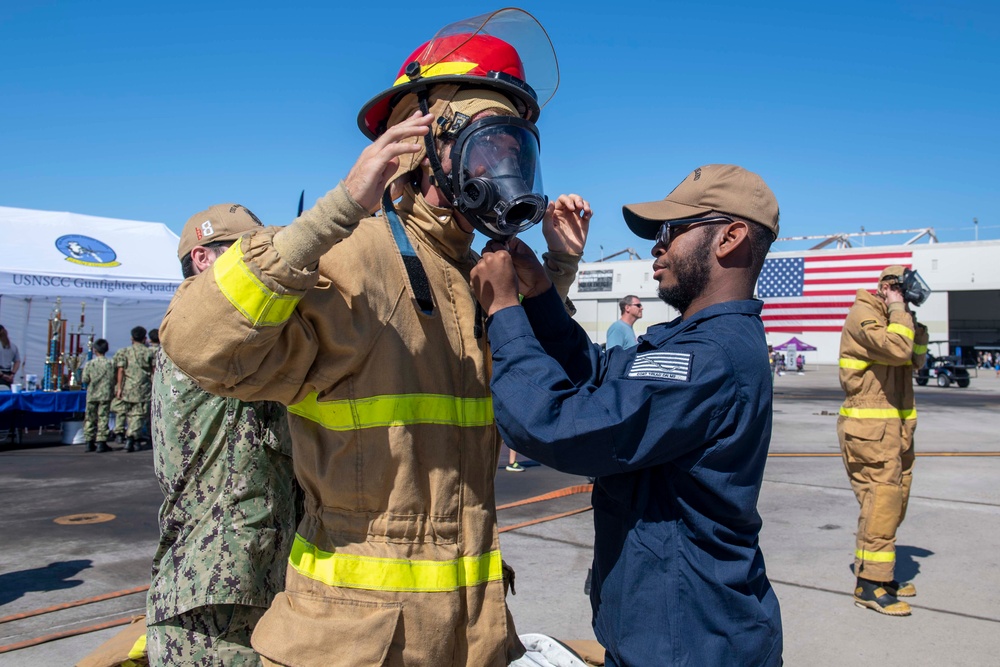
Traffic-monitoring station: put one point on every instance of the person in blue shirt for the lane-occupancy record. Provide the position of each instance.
(676, 429)
(621, 332)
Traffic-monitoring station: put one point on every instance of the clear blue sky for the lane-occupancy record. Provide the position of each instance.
(876, 114)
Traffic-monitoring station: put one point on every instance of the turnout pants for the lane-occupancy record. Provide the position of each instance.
(878, 455)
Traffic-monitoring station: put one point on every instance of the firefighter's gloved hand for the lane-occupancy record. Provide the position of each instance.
(370, 175)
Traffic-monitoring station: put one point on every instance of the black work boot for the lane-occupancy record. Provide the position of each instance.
(90, 446)
(130, 444)
(874, 595)
(905, 589)
(102, 447)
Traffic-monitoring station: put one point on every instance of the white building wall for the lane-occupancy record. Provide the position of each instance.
(966, 266)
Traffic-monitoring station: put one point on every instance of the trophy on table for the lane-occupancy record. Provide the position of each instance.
(53, 377)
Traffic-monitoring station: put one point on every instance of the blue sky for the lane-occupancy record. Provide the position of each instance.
(875, 114)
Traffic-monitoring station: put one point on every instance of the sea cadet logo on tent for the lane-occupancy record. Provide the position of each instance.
(87, 251)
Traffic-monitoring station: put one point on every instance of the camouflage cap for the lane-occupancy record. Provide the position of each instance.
(894, 273)
(222, 222)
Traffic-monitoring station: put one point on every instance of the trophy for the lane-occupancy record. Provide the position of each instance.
(52, 379)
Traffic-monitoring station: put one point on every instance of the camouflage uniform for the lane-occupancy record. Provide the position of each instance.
(226, 524)
(99, 376)
(118, 406)
(137, 360)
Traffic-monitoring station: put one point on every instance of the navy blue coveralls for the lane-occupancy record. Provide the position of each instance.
(676, 430)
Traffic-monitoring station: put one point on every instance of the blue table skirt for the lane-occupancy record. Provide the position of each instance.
(38, 408)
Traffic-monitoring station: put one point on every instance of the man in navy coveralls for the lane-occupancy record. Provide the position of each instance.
(676, 430)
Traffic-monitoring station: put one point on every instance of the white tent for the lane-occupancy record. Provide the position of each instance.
(113, 274)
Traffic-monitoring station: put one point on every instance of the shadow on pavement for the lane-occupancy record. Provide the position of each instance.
(52, 577)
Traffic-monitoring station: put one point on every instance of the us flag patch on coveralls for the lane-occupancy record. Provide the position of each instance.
(661, 366)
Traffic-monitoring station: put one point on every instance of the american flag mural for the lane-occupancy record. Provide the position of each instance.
(813, 293)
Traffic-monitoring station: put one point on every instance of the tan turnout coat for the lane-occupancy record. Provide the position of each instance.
(397, 559)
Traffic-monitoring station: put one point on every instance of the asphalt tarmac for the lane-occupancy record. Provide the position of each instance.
(949, 545)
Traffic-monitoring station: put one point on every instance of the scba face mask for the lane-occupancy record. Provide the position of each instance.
(495, 176)
(915, 290)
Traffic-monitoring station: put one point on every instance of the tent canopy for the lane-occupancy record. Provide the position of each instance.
(794, 345)
(122, 273)
(49, 253)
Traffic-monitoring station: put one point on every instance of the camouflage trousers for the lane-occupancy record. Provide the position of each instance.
(210, 636)
(138, 416)
(119, 408)
(95, 426)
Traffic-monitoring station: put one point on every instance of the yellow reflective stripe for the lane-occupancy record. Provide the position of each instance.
(393, 574)
(441, 69)
(138, 649)
(876, 556)
(395, 410)
(900, 329)
(878, 413)
(248, 294)
(919, 349)
(861, 365)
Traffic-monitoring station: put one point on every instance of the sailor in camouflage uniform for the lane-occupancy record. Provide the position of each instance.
(118, 407)
(134, 370)
(99, 377)
(228, 520)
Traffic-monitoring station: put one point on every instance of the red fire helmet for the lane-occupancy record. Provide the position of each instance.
(484, 52)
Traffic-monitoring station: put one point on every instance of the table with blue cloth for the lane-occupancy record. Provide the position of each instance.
(28, 409)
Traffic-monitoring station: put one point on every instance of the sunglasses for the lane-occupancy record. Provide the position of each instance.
(672, 228)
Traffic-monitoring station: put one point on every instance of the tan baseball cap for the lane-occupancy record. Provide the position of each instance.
(222, 222)
(894, 272)
(723, 188)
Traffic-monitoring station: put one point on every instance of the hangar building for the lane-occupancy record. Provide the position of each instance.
(807, 293)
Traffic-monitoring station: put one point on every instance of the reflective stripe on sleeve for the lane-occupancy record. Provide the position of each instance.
(248, 294)
(855, 364)
(919, 349)
(393, 574)
(878, 413)
(900, 329)
(395, 410)
(876, 556)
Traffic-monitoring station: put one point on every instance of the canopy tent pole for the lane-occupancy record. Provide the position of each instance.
(104, 318)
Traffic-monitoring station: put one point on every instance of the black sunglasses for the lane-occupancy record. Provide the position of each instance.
(665, 235)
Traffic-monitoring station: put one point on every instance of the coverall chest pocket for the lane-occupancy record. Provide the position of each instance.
(865, 442)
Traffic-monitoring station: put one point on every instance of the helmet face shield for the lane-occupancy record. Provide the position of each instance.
(497, 177)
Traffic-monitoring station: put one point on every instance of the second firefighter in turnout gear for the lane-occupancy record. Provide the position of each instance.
(367, 329)
(880, 346)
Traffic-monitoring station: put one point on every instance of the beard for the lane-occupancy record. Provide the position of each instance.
(691, 273)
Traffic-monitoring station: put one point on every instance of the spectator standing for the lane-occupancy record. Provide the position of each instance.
(10, 359)
(621, 332)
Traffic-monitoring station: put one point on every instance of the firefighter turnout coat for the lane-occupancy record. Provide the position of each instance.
(397, 559)
(879, 348)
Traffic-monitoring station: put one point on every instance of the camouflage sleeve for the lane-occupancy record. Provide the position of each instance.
(885, 343)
